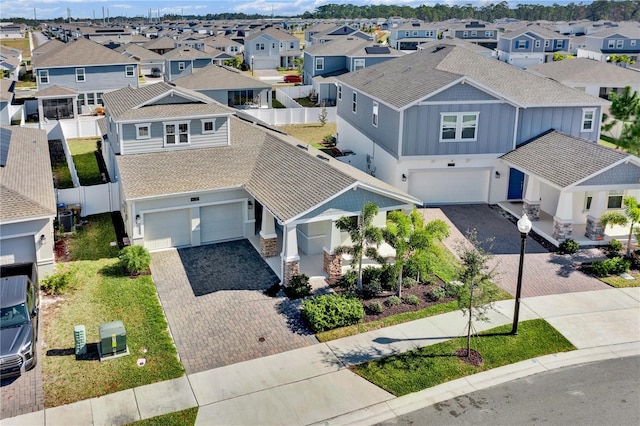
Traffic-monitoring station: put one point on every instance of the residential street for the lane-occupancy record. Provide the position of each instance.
(598, 393)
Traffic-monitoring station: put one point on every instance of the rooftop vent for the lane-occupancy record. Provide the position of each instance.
(438, 48)
(302, 147)
(322, 157)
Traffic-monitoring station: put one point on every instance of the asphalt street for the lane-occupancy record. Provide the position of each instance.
(598, 393)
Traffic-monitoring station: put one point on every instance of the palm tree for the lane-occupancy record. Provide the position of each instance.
(365, 237)
(629, 216)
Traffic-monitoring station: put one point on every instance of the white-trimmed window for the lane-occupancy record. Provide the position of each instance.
(406, 33)
(465, 34)
(339, 92)
(259, 46)
(143, 131)
(415, 34)
(80, 77)
(611, 44)
(614, 200)
(354, 102)
(99, 98)
(43, 76)
(547, 43)
(180, 66)
(632, 42)
(91, 99)
(208, 125)
(619, 44)
(588, 198)
(374, 115)
(559, 44)
(176, 133)
(459, 126)
(319, 64)
(537, 43)
(521, 44)
(129, 70)
(488, 34)
(80, 101)
(474, 33)
(588, 115)
(358, 64)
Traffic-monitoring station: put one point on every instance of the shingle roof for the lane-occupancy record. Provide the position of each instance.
(410, 78)
(285, 178)
(217, 77)
(574, 159)
(46, 47)
(627, 31)
(186, 52)
(139, 52)
(273, 32)
(55, 91)
(79, 52)
(160, 43)
(347, 46)
(536, 29)
(583, 70)
(6, 90)
(26, 181)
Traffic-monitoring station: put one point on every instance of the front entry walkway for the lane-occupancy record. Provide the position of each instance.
(226, 325)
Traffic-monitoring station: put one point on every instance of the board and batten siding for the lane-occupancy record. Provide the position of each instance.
(534, 121)
(98, 78)
(421, 130)
(155, 143)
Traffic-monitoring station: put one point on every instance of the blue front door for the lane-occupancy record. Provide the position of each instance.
(516, 184)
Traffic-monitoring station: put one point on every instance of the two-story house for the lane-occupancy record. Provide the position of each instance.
(11, 62)
(191, 172)
(147, 59)
(185, 60)
(530, 45)
(225, 45)
(612, 41)
(160, 45)
(435, 122)
(271, 48)
(72, 77)
(409, 35)
(337, 31)
(480, 33)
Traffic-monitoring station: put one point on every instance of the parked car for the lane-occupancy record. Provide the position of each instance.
(19, 303)
(156, 72)
(292, 79)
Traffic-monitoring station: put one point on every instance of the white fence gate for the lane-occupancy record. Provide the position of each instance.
(94, 199)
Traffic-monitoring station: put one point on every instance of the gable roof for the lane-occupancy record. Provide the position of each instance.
(55, 90)
(626, 31)
(6, 90)
(348, 46)
(79, 52)
(218, 77)
(26, 181)
(274, 33)
(408, 79)
(160, 43)
(139, 52)
(535, 29)
(584, 70)
(186, 52)
(574, 159)
(46, 47)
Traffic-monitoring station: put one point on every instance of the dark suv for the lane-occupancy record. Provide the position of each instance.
(18, 325)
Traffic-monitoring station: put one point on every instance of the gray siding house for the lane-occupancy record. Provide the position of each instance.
(612, 41)
(530, 45)
(271, 48)
(409, 35)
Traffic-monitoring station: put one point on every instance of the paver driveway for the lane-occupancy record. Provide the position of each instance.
(544, 273)
(233, 320)
(23, 394)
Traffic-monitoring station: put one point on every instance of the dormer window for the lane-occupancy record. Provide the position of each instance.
(176, 133)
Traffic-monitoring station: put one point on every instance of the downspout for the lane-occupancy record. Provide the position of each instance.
(282, 255)
(515, 128)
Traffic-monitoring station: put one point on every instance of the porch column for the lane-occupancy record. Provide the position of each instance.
(531, 199)
(332, 262)
(268, 236)
(563, 219)
(594, 229)
(290, 257)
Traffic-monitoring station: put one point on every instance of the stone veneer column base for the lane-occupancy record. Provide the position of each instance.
(268, 247)
(562, 230)
(291, 268)
(594, 230)
(332, 265)
(531, 209)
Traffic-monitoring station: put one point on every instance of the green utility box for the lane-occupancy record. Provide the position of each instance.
(113, 339)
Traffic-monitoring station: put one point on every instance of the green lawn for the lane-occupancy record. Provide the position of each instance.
(432, 365)
(311, 133)
(62, 175)
(306, 102)
(619, 282)
(99, 292)
(180, 418)
(19, 43)
(83, 152)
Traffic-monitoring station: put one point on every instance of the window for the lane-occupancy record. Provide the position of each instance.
(358, 64)
(521, 44)
(80, 75)
(43, 76)
(354, 102)
(180, 66)
(632, 42)
(619, 44)
(319, 64)
(587, 119)
(208, 125)
(415, 34)
(488, 34)
(260, 46)
(547, 43)
(129, 70)
(339, 92)
(80, 101)
(176, 133)
(143, 131)
(458, 127)
(588, 198)
(273, 45)
(429, 33)
(465, 34)
(537, 43)
(615, 199)
(559, 44)
(375, 114)
(292, 45)
(406, 33)
(611, 44)
(91, 99)
(474, 33)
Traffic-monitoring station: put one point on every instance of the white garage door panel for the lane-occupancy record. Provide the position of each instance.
(450, 186)
(17, 250)
(221, 222)
(167, 229)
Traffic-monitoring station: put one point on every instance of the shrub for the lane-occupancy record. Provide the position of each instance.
(331, 311)
(135, 259)
(370, 290)
(393, 301)
(374, 308)
(298, 286)
(56, 283)
(273, 290)
(436, 294)
(389, 276)
(349, 282)
(408, 282)
(568, 246)
(370, 274)
(616, 265)
(416, 266)
(613, 249)
(412, 299)
(452, 288)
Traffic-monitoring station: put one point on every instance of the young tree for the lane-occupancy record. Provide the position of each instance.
(623, 106)
(365, 238)
(629, 216)
(476, 295)
(322, 116)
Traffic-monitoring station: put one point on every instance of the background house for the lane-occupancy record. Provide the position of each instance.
(612, 41)
(530, 45)
(271, 48)
(409, 35)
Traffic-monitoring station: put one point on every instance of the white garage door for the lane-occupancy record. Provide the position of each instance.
(17, 250)
(450, 186)
(221, 222)
(167, 229)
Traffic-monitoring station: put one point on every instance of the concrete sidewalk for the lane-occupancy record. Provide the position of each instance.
(313, 385)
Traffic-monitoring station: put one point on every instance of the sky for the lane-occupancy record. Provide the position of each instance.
(50, 9)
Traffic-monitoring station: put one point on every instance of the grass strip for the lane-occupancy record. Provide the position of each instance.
(83, 152)
(436, 364)
(179, 418)
(93, 240)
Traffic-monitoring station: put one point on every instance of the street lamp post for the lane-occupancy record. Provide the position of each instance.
(524, 226)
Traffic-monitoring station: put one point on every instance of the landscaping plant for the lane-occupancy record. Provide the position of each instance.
(135, 259)
(330, 311)
(299, 287)
(629, 216)
(568, 246)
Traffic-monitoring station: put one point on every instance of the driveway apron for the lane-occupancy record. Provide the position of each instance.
(232, 320)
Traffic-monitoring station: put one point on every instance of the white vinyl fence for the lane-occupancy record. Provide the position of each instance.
(284, 116)
(93, 199)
